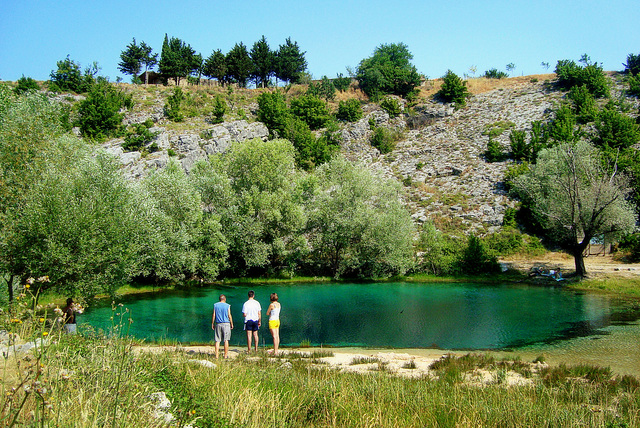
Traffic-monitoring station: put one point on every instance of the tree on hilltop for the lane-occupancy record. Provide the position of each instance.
(215, 67)
(263, 59)
(290, 62)
(178, 59)
(134, 57)
(388, 71)
(239, 65)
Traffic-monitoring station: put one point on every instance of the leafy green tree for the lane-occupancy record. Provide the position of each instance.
(99, 114)
(273, 112)
(311, 151)
(438, 253)
(263, 59)
(584, 103)
(81, 224)
(349, 110)
(219, 109)
(562, 129)
(215, 67)
(357, 225)
(239, 65)
(325, 89)
(311, 109)
(178, 59)
(173, 106)
(575, 198)
(476, 259)
(342, 83)
(570, 74)
(191, 243)
(453, 89)
(290, 62)
(615, 129)
(391, 106)
(26, 84)
(495, 74)
(388, 71)
(253, 188)
(69, 77)
(134, 57)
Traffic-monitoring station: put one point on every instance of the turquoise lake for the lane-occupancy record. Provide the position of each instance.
(379, 315)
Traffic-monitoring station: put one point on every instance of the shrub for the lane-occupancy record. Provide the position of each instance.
(633, 64)
(311, 151)
(634, 85)
(519, 148)
(349, 110)
(571, 74)
(615, 129)
(495, 74)
(391, 106)
(513, 172)
(342, 83)
(383, 139)
(26, 84)
(325, 89)
(173, 106)
(494, 151)
(584, 103)
(137, 137)
(69, 77)
(98, 114)
(273, 112)
(311, 109)
(219, 110)
(631, 243)
(453, 89)
(476, 259)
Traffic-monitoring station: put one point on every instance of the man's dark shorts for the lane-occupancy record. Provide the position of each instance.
(251, 325)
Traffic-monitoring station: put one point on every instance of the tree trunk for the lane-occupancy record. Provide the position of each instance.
(578, 256)
(10, 288)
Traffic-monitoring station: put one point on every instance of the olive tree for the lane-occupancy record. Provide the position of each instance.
(575, 198)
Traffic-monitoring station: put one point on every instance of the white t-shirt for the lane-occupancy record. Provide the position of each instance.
(252, 310)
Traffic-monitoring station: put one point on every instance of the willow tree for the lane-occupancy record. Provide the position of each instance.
(575, 198)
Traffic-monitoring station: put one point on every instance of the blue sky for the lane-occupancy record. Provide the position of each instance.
(443, 35)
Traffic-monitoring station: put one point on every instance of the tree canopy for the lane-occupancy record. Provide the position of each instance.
(388, 71)
(575, 198)
(178, 59)
(134, 57)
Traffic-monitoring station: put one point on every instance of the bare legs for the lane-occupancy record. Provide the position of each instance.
(250, 335)
(275, 332)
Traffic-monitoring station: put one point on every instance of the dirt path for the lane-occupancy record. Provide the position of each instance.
(597, 266)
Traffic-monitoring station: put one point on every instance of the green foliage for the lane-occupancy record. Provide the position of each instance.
(519, 149)
(633, 64)
(388, 71)
(476, 259)
(571, 74)
(219, 110)
(453, 89)
(134, 57)
(615, 129)
(496, 129)
(349, 110)
(273, 112)
(383, 139)
(325, 89)
(510, 241)
(494, 152)
(26, 84)
(342, 83)
(99, 114)
(239, 65)
(634, 85)
(311, 151)
(290, 62)
(391, 106)
(495, 74)
(137, 137)
(631, 244)
(562, 129)
(173, 106)
(584, 103)
(263, 62)
(311, 109)
(513, 172)
(215, 67)
(69, 78)
(357, 224)
(437, 252)
(177, 59)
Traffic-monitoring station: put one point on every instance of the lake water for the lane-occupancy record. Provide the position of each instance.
(396, 315)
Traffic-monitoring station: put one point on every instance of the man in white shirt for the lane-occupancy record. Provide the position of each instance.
(252, 312)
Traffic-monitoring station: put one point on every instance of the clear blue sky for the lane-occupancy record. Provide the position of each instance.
(442, 35)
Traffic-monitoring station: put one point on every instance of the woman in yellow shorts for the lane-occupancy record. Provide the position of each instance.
(273, 312)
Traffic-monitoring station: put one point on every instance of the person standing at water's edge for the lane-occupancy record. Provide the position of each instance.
(222, 324)
(69, 317)
(252, 312)
(273, 312)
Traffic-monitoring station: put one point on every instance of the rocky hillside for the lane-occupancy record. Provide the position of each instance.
(439, 157)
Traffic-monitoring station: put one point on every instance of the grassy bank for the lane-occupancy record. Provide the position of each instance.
(101, 381)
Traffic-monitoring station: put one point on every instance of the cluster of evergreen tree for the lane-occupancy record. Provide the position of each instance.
(240, 65)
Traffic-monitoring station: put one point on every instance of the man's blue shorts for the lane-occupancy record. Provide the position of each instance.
(251, 325)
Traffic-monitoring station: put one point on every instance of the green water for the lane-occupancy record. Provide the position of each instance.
(397, 315)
